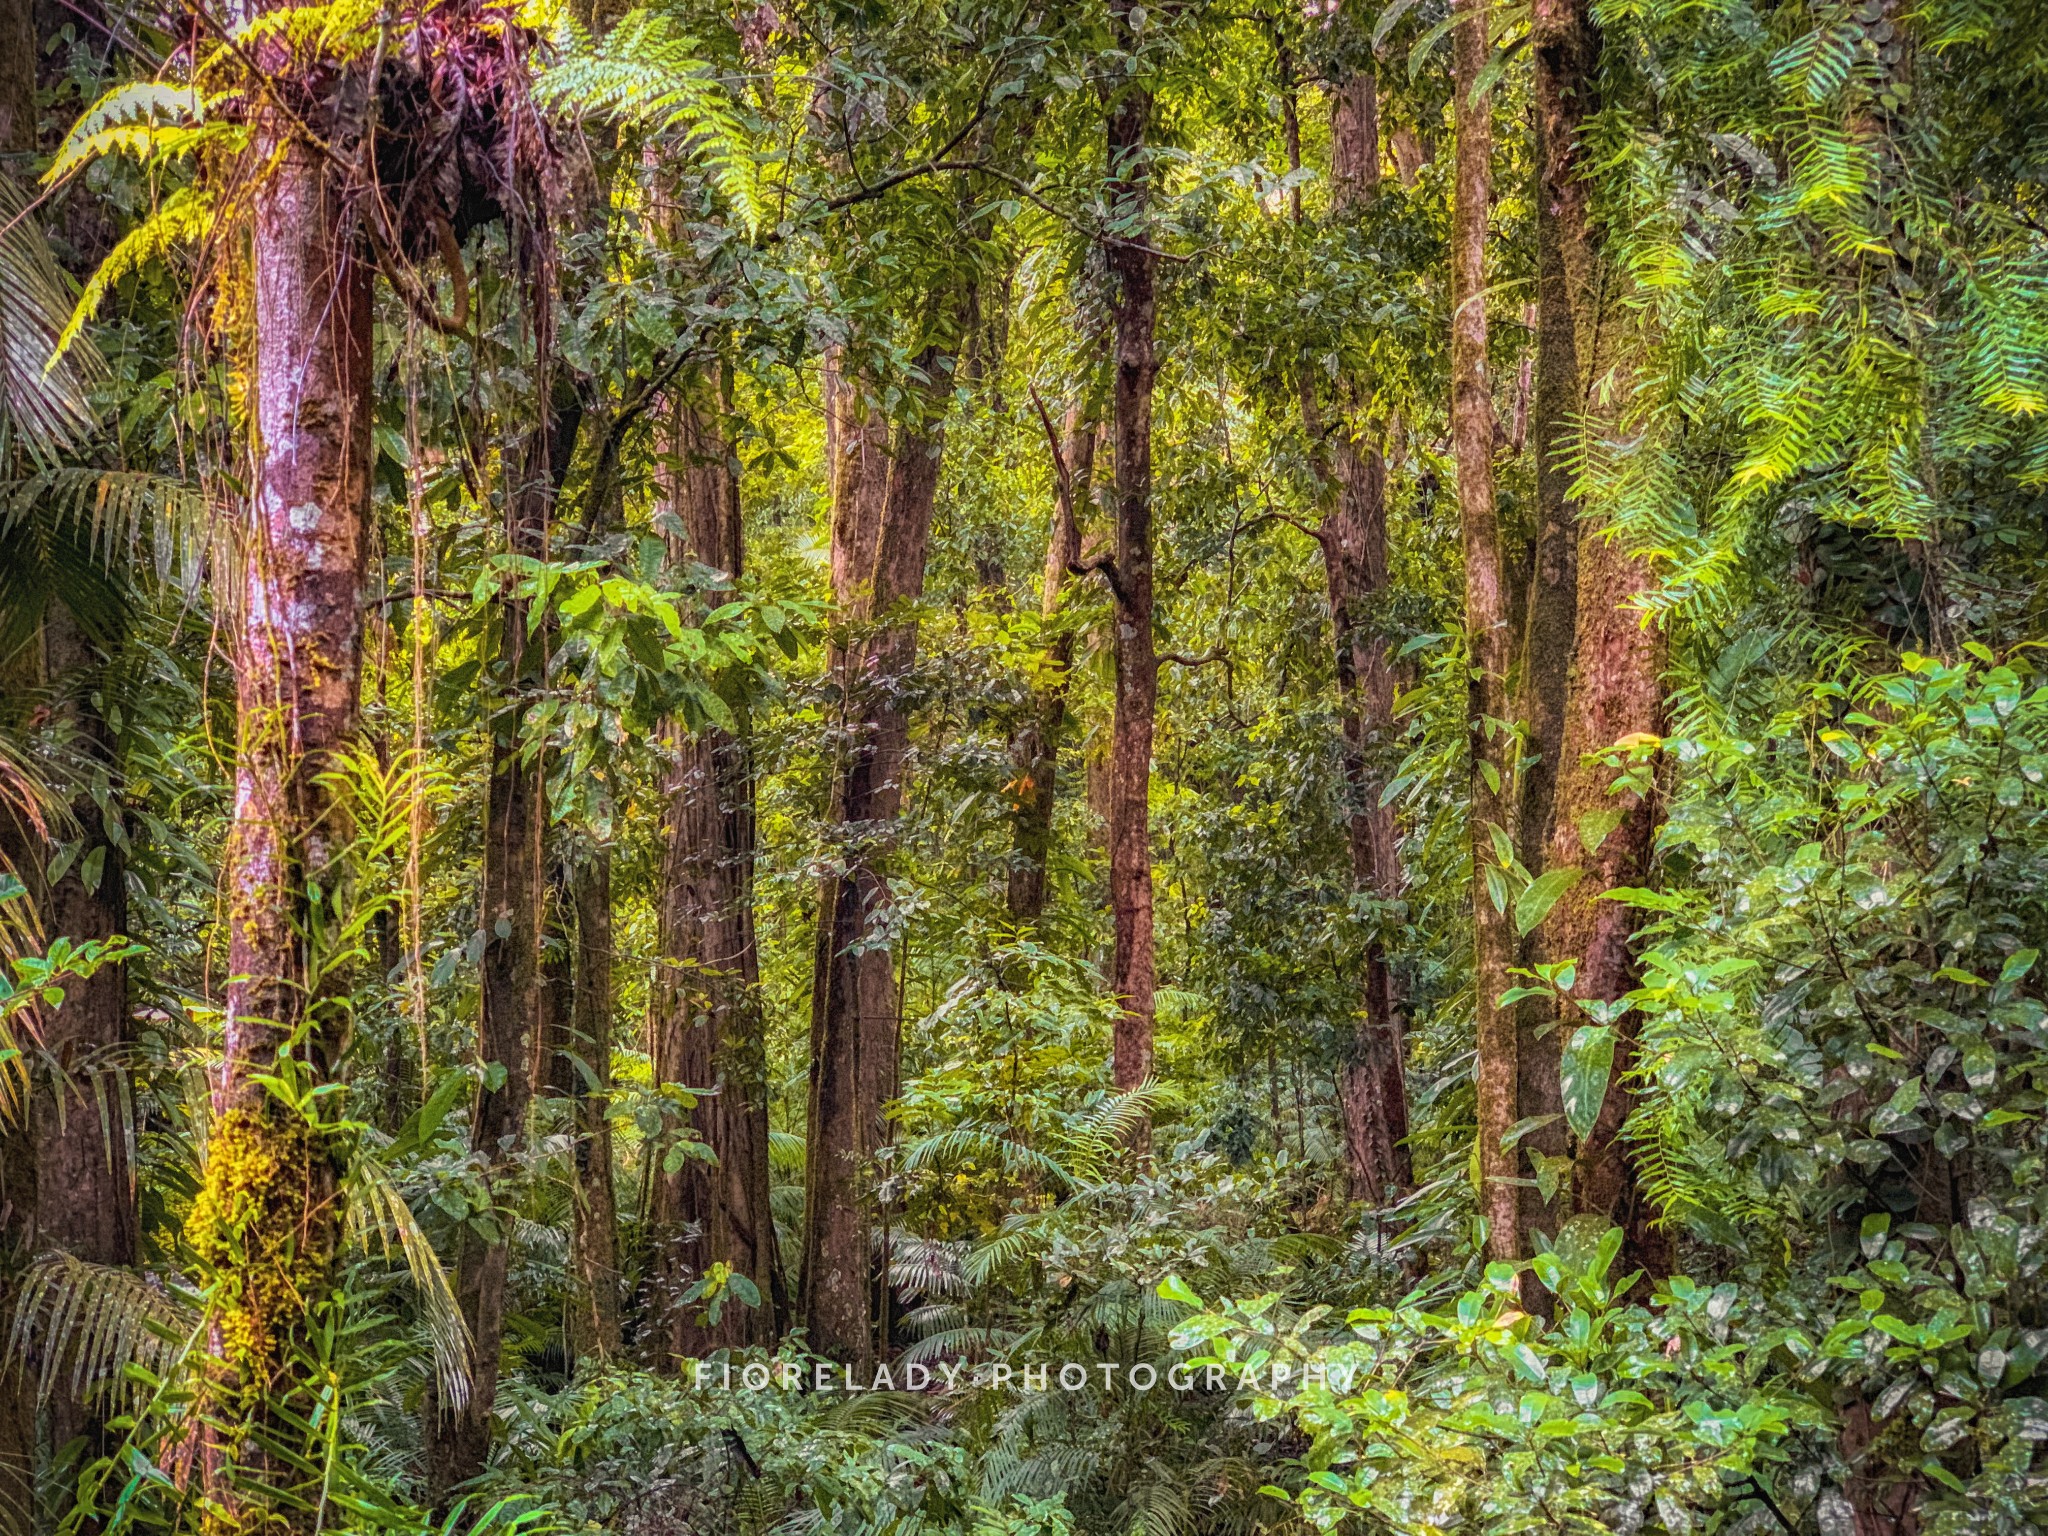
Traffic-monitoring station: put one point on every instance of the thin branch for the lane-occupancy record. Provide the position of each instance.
(936, 162)
(1061, 474)
(1203, 660)
(428, 594)
(1282, 517)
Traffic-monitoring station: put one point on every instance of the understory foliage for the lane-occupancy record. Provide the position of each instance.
(693, 234)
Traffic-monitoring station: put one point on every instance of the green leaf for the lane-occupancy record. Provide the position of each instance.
(1583, 1071)
(1594, 826)
(1642, 896)
(1542, 893)
(581, 602)
(1173, 1288)
(2018, 965)
(1523, 1127)
(1389, 19)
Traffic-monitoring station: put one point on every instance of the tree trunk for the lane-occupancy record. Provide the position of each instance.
(88, 1205)
(1373, 1089)
(1565, 55)
(67, 1182)
(65, 1178)
(854, 1006)
(1614, 704)
(265, 1221)
(1491, 812)
(594, 1225)
(552, 1067)
(458, 1437)
(1036, 749)
(1616, 698)
(707, 1019)
(1133, 270)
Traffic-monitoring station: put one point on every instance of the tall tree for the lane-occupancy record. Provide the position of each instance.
(1035, 751)
(265, 1218)
(1564, 80)
(594, 1325)
(1603, 818)
(878, 565)
(512, 993)
(707, 1011)
(1133, 267)
(1353, 536)
(1492, 743)
(69, 1185)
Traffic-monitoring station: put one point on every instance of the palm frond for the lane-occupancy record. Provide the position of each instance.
(377, 1211)
(94, 1321)
(47, 391)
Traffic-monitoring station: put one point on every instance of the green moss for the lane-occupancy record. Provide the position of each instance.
(261, 1225)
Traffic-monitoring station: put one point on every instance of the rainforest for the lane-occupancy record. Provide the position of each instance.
(1023, 767)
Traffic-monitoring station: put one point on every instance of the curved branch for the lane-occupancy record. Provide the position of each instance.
(405, 277)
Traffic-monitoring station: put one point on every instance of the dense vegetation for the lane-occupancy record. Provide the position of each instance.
(989, 769)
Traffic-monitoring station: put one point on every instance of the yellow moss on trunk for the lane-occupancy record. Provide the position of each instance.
(259, 1225)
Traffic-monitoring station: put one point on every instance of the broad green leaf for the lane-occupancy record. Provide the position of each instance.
(1594, 827)
(1583, 1071)
(1541, 894)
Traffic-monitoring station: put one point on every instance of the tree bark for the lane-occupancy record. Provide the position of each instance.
(854, 1009)
(1036, 749)
(1353, 534)
(594, 1328)
(1603, 822)
(511, 991)
(707, 1018)
(1566, 53)
(265, 1218)
(1615, 711)
(1491, 812)
(1133, 270)
(84, 1116)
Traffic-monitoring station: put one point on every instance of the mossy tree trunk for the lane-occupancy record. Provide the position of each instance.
(265, 1221)
(1491, 813)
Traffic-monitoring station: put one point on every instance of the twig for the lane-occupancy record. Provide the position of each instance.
(1283, 517)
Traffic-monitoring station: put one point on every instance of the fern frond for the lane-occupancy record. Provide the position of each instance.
(644, 72)
(144, 118)
(786, 1153)
(184, 218)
